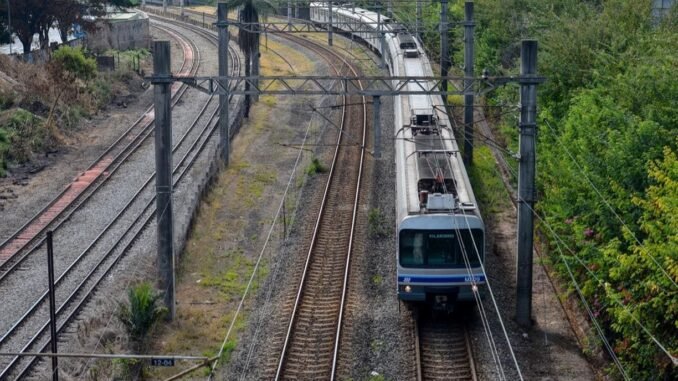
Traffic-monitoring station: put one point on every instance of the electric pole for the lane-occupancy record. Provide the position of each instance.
(468, 83)
(526, 188)
(162, 82)
(444, 59)
(224, 138)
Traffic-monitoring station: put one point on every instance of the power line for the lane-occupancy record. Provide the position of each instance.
(604, 286)
(607, 204)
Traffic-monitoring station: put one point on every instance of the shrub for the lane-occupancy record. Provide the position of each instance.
(315, 167)
(142, 311)
(25, 134)
(4, 148)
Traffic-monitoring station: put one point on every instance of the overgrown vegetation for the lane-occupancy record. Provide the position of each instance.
(376, 223)
(141, 311)
(42, 105)
(607, 170)
(315, 167)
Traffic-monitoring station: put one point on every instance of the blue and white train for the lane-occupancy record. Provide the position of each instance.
(441, 235)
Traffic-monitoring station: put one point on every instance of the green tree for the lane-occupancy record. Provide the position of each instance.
(646, 292)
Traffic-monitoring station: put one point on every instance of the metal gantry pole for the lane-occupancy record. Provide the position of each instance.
(162, 81)
(52, 306)
(376, 108)
(224, 138)
(443, 45)
(164, 6)
(329, 29)
(289, 12)
(468, 82)
(382, 38)
(526, 185)
(181, 6)
(417, 25)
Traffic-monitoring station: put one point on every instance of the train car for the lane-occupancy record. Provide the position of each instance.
(440, 232)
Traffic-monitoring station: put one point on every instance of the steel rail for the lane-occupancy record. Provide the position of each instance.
(281, 362)
(33, 309)
(141, 229)
(115, 219)
(450, 362)
(16, 258)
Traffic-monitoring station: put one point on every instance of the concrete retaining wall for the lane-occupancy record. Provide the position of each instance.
(121, 34)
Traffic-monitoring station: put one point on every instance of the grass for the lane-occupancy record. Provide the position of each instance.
(315, 167)
(25, 135)
(376, 223)
(487, 184)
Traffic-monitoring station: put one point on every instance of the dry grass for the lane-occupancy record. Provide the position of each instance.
(222, 247)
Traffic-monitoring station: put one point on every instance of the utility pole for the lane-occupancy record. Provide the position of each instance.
(181, 6)
(289, 12)
(526, 187)
(376, 108)
(52, 306)
(417, 25)
(382, 38)
(443, 45)
(164, 6)
(162, 81)
(468, 82)
(224, 138)
(329, 29)
(389, 6)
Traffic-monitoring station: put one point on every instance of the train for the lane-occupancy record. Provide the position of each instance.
(440, 231)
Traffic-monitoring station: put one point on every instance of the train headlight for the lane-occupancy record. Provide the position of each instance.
(408, 288)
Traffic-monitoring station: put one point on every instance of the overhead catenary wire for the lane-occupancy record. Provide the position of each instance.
(592, 316)
(603, 285)
(483, 314)
(489, 287)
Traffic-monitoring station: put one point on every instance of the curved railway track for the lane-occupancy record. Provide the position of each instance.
(311, 345)
(71, 299)
(15, 248)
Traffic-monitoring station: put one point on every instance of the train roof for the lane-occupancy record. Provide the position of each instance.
(431, 159)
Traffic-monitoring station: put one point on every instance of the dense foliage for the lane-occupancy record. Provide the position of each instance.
(607, 168)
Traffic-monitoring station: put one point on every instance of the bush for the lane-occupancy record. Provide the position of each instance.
(25, 135)
(4, 148)
(315, 167)
(142, 311)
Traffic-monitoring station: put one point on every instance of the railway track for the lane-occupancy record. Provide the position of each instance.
(443, 350)
(15, 248)
(311, 345)
(80, 279)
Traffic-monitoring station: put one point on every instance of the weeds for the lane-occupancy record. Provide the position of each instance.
(376, 223)
(142, 311)
(487, 184)
(315, 167)
(25, 134)
(4, 148)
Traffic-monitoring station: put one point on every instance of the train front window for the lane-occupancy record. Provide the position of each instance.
(440, 248)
